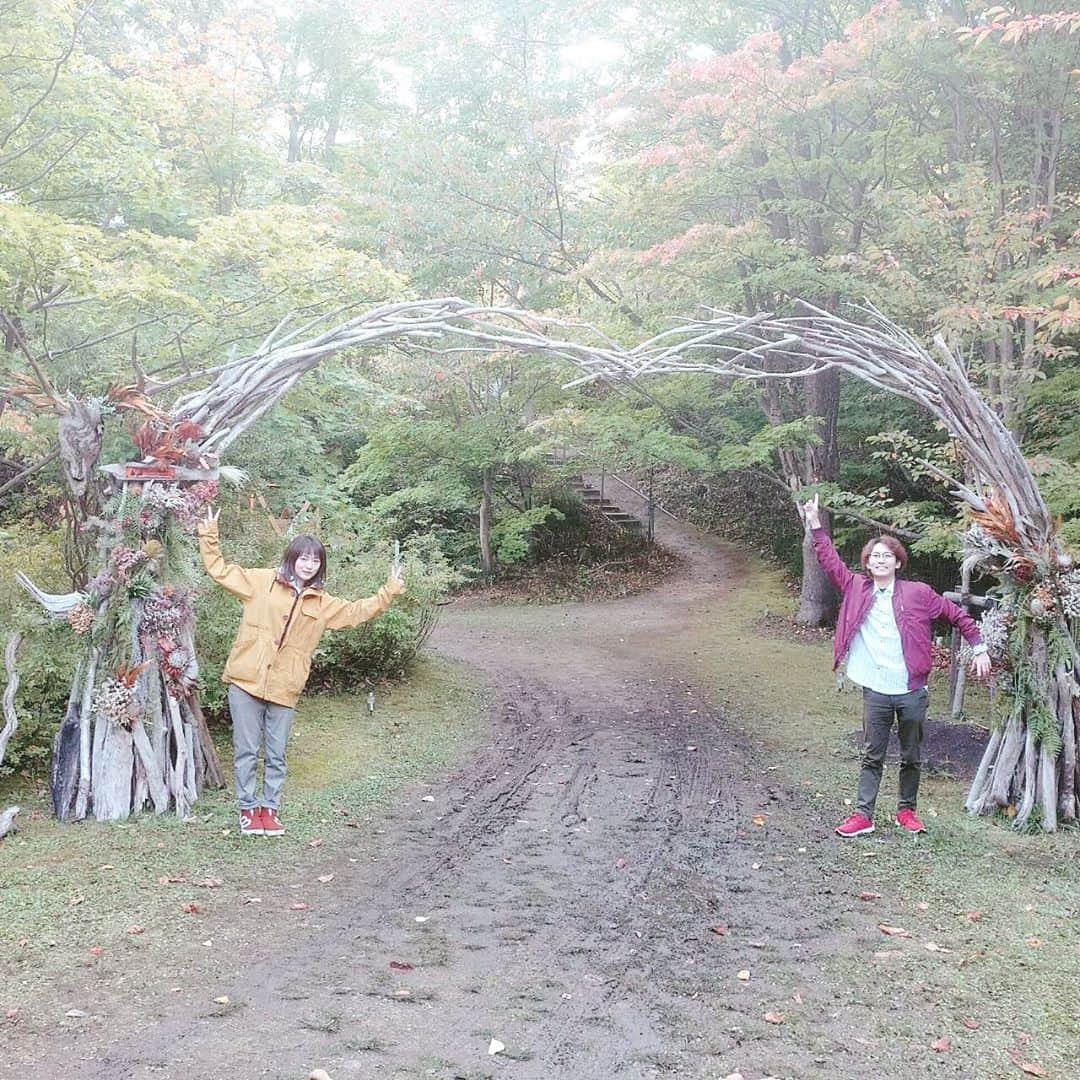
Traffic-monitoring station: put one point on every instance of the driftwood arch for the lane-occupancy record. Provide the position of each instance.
(120, 766)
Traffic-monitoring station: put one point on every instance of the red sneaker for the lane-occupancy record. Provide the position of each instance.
(908, 819)
(251, 821)
(271, 823)
(855, 825)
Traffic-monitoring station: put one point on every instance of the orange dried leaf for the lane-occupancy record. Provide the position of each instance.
(894, 931)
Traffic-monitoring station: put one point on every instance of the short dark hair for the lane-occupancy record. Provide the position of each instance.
(300, 545)
(891, 543)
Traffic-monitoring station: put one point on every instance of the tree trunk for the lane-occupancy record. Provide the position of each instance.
(821, 461)
(817, 595)
(487, 561)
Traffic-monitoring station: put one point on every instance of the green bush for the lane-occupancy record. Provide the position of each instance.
(49, 651)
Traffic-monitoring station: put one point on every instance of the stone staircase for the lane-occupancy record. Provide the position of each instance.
(592, 496)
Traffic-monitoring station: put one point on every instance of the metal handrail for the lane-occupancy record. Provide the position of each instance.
(641, 494)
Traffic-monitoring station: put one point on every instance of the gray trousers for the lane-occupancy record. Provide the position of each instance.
(257, 723)
(879, 711)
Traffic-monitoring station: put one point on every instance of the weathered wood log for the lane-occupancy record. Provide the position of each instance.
(11, 717)
(7, 820)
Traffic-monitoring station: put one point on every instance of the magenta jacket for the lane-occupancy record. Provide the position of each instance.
(915, 606)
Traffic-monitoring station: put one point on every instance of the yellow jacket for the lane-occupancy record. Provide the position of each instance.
(271, 657)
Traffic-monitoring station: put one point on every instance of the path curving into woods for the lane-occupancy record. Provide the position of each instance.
(562, 894)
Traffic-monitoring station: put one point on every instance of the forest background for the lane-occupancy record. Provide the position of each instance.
(177, 177)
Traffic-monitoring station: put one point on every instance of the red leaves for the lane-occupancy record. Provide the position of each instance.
(1028, 1067)
(941, 1045)
(191, 909)
(400, 965)
(298, 906)
(866, 894)
(719, 929)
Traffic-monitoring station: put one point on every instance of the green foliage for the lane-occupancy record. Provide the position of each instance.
(49, 650)
(511, 537)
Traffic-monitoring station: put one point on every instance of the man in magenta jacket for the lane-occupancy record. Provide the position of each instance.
(884, 630)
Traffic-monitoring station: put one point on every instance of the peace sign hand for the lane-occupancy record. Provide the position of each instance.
(811, 512)
(396, 568)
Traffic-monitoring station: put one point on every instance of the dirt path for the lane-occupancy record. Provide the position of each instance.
(560, 894)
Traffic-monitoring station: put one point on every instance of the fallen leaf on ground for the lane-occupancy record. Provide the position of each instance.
(76, 1013)
(428, 798)
(75, 900)
(922, 905)
(209, 883)
(401, 965)
(941, 1045)
(11, 1014)
(620, 864)
(971, 1025)
(1035, 943)
(298, 906)
(253, 900)
(496, 1047)
(96, 950)
(973, 916)
(774, 1018)
(326, 878)
(758, 819)
(136, 929)
(889, 954)
(1028, 1067)
(733, 1076)
(797, 998)
(191, 909)
(719, 929)
(867, 894)
(401, 994)
(171, 879)
(744, 975)
(315, 843)
(318, 1074)
(933, 946)
(971, 958)
(894, 931)
(755, 866)
(223, 1000)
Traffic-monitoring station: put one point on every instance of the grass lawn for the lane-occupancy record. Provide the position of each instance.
(1002, 908)
(71, 893)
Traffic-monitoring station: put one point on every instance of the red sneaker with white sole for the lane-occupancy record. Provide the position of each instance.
(251, 821)
(908, 819)
(271, 823)
(855, 825)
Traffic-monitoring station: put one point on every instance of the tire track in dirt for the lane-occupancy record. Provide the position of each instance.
(559, 895)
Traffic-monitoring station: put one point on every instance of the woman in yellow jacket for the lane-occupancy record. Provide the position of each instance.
(286, 612)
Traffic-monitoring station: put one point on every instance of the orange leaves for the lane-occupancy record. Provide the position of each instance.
(163, 441)
(132, 398)
(997, 521)
(894, 931)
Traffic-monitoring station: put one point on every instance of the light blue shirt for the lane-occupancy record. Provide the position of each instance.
(876, 656)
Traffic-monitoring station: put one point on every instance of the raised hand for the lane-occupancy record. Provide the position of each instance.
(396, 568)
(211, 516)
(811, 512)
